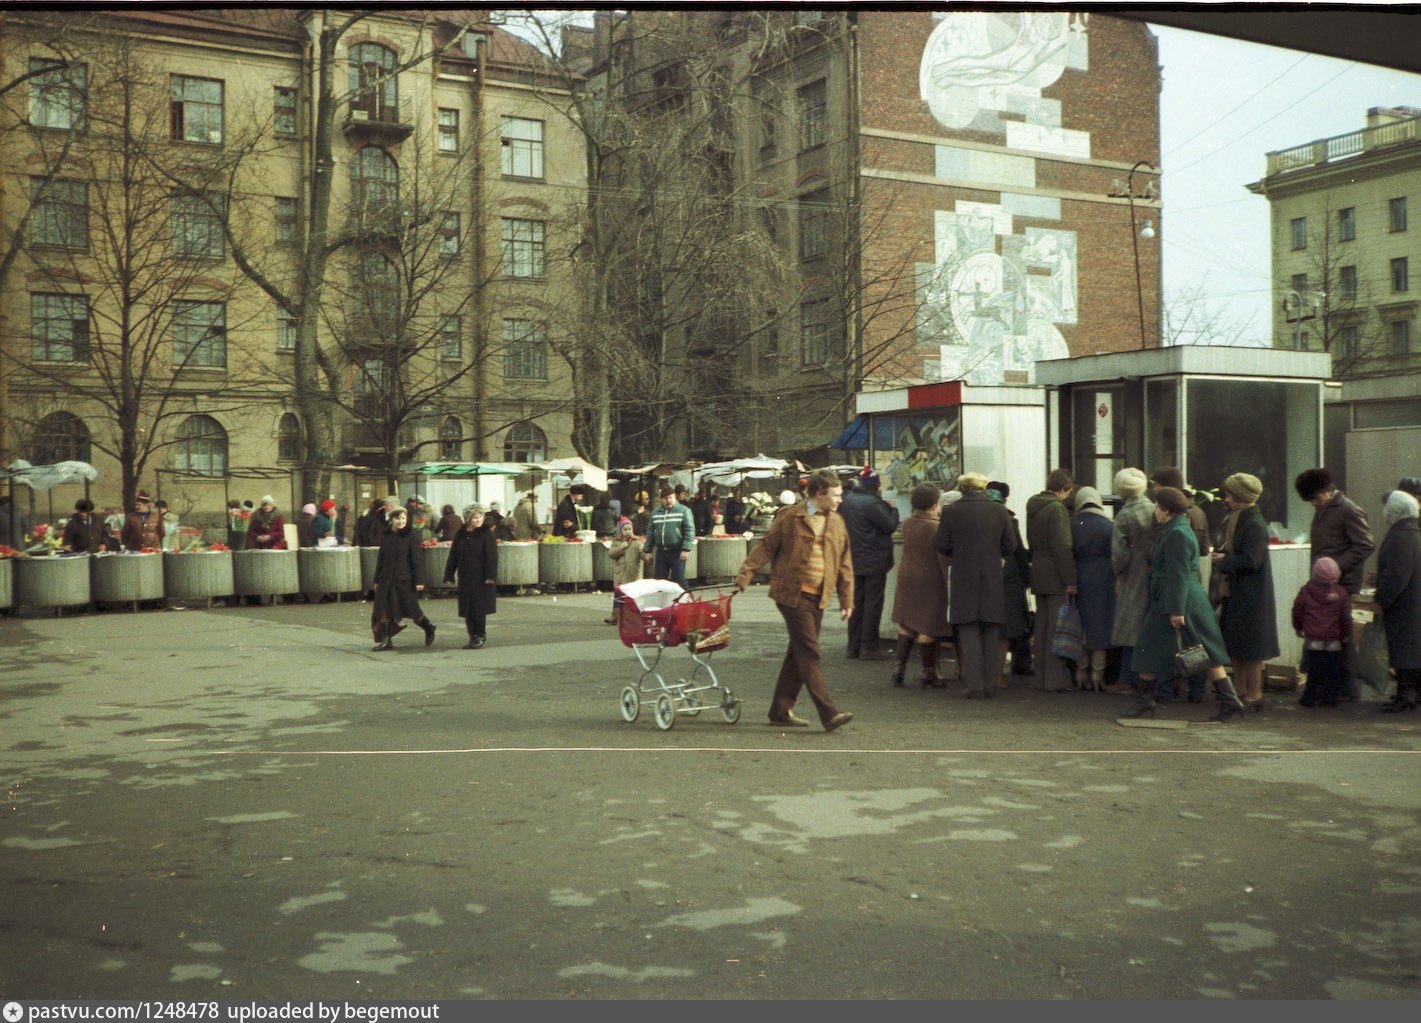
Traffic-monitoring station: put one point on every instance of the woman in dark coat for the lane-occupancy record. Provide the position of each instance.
(474, 561)
(1399, 594)
(1178, 612)
(371, 527)
(920, 595)
(449, 524)
(399, 578)
(604, 522)
(1248, 620)
(1091, 531)
(1016, 576)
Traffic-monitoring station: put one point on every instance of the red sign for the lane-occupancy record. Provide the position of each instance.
(1103, 411)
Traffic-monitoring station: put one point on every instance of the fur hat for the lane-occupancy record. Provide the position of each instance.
(1244, 487)
(1325, 570)
(1171, 500)
(1410, 485)
(1130, 482)
(972, 481)
(1001, 488)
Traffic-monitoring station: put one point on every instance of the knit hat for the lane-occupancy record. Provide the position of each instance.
(308, 509)
(1399, 505)
(972, 481)
(1243, 487)
(1088, 497)
(328, 505)
(1325, 570)
(624, 523)
(267, 499)
(868, 479)
(1130, 482)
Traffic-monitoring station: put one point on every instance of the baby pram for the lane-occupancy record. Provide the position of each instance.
(656, 614)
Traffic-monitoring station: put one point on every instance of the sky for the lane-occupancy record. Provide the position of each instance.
(1225, 105)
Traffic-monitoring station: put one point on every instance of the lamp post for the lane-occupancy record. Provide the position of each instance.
(1127, 191)
(1300, 306)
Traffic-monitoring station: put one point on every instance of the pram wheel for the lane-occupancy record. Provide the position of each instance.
(729, 707)
(631, 703)
(665, 712)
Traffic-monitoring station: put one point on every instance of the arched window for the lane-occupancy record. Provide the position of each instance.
(451, 440)
(525, 443)
(374, 87)
(60, 437)
(202, 447)
(374, 184)
(288, 438)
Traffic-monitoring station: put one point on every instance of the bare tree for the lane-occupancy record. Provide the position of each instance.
(1190, 317)
(131, 326)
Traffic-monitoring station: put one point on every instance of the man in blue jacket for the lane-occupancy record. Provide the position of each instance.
(871, 523)
(669, 539)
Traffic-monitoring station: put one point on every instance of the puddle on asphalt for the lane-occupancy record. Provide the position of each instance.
(357, 952)
(193, 971)
(568, 898)
(753, 912)
(306, 901)
(1240, 937)
(623, 973)
(39, 843)
(254, 818)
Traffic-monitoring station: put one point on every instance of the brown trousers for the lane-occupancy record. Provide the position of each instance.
(802, 667)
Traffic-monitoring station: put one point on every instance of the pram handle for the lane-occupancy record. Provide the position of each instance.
(720, 588)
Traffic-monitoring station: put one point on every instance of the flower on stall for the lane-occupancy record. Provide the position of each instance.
(149, 550)
(430, 543)
(238, 520)
(44, 540)
(761, 503)
(216, 547)
(8, 552)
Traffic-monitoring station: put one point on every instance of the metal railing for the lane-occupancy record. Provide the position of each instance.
(1341, 147)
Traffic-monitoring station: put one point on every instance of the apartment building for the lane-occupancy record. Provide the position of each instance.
(1345, 258)
(162, 216)
(954, 195)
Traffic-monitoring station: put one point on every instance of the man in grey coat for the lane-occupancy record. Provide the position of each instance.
(976, 534)
(1340, 531)
(1053, 572)
(1130, 558)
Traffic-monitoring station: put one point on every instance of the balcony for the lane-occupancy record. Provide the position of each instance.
(1343, 147)
(372, 121)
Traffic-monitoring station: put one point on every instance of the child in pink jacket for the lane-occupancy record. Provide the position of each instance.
(1322, 616)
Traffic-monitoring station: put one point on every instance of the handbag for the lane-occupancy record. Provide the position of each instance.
(1069, 641)
(1189, 661)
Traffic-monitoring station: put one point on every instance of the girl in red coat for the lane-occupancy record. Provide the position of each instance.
(1322, 616)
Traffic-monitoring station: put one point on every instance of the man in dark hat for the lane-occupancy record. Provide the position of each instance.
(143, 527)
(1340, 531)
(83, 534)
(871, 522)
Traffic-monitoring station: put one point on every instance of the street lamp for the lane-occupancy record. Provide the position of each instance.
(1300, 306)
(1127, 191)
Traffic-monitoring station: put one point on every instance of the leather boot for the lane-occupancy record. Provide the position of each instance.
(428, 628)
(930, 679)
(901, 650)
(1229, 703)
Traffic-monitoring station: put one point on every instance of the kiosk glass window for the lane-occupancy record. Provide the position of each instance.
(1098, 429)
(1161, 422)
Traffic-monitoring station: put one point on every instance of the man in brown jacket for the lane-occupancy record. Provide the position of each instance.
(810, 548)
(1053, 572)
(1340, 531)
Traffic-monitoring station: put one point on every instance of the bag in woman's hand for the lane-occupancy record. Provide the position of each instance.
(1189, 661)
(1069, 641)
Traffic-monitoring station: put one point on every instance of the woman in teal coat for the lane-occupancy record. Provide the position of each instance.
(1178, 612)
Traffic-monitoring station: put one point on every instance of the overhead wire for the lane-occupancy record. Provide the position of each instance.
(1219, 120)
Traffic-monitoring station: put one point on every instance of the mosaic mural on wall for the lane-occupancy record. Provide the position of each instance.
(993, 297)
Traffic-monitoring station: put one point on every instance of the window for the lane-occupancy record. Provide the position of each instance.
(58, 97)
(767, 131)
(813, 112)
(1347, 283)
(1300, 285)
(284, 110)
(374, 86)
(374, 184)
(1300, 233)
(377, 285)
(451, 440)
(373, 380)
(1347, 224)
(522, 248)
(449, 234)
(286, 214)
(202, 447)
(814, 225)
(770, 344)
(451, 338)
(525, 443)
(59, 213)
(1400, 337)
(197, 226)
(200, 334)
(288, 438)
(1396, 214)
(525, 350)
(448, 130)
(522, 145)
(1349, 342)
(61, 437)
(285, 331)
(196, 110)
(1399, 275)
(59, 328)
(813, 334)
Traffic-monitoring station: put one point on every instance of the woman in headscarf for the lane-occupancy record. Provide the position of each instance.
(1178, 607)
(1399, 595)
(920, 594)
(399, 578)
(305, 526)
(267, 530)
(1091, 531)
(473, 560)
(625, 554)
(1130, 538)
(1248, 619)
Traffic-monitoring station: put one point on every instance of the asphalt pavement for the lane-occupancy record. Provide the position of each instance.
(248, 803)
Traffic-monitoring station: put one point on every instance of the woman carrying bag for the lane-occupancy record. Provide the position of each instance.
(1247, 620)
(1178, 619)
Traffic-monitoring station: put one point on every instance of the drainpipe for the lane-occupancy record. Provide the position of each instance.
(478, 223)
